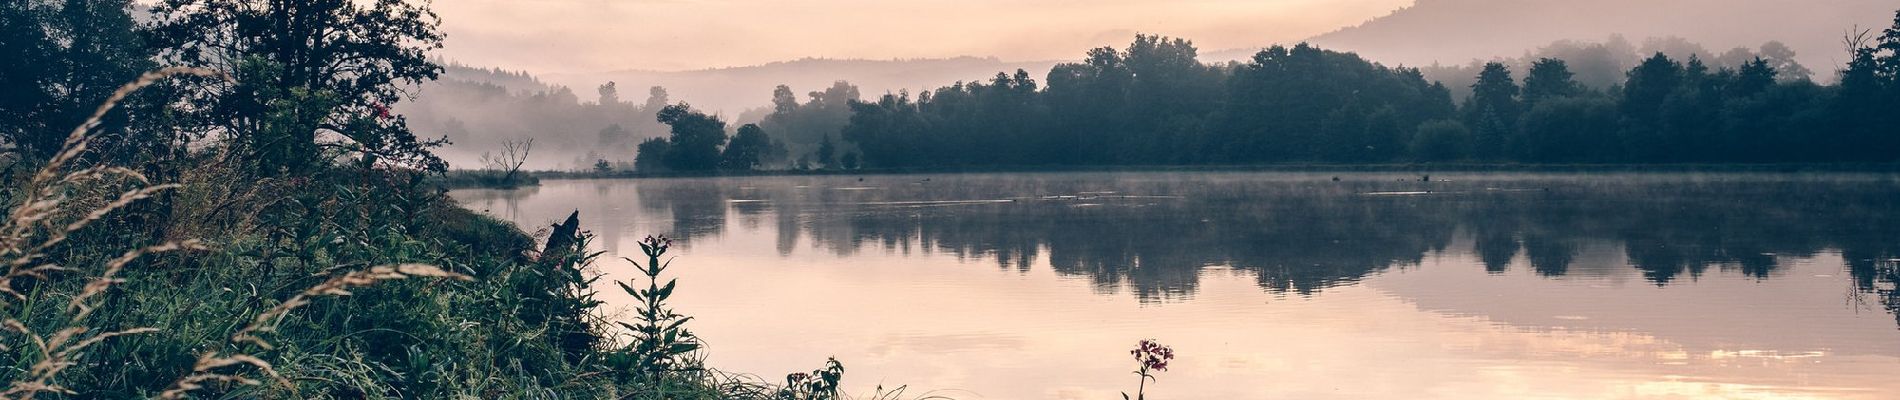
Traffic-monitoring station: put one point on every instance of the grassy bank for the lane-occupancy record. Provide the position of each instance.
(346, 283)
(483, 179)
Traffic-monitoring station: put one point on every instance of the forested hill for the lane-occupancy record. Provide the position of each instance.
(737, 89)
(1156, 103)
(1457, 31)
(575, 124)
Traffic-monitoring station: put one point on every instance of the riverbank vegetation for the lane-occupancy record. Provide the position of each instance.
(251, 221)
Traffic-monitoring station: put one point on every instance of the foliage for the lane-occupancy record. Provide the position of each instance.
(800, 128)
(747, 150)
(65, 57)
(695, 142)
(299, 283)
(309, 73)
(827, 153)
(1154, 104)
(514, 153)
(660, 344)
(1441, 140)
(820, 384)
(1150, 357)
(652, 155)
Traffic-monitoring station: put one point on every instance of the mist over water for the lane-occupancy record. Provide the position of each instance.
(968, 199)
(1470, 286)
(707, 66)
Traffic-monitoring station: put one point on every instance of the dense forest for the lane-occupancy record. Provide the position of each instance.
(1603, 65)
(1155, 103)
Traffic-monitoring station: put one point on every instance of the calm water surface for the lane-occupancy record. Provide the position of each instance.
(1277, 285)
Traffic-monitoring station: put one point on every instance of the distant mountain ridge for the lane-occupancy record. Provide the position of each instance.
(1458, 31)
(734, 90)
(1446, 32)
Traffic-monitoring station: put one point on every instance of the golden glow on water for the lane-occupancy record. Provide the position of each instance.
(916, 314)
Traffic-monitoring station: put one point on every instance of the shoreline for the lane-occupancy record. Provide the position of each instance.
(532, 178)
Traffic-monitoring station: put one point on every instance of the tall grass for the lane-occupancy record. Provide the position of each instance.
(222, 285)
(57, 204)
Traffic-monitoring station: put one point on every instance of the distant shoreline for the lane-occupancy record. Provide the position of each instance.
(1417, 168)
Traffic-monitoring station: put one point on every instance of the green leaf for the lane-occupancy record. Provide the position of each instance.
(629, 289)
(668, 290)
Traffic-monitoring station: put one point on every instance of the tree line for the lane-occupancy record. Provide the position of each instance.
(1154, 103)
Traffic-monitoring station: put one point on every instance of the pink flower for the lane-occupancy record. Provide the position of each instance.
(654, 246)
(382, 111)
(1152, 355)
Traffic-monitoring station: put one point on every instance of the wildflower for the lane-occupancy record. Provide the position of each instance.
(1150, 357)
(655, 246)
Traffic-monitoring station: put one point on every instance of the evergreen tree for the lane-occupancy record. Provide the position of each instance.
(826, 152)
(1492, 109)
(1648, 88)
(1549, 78)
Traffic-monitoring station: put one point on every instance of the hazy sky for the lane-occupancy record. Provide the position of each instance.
(549, 36)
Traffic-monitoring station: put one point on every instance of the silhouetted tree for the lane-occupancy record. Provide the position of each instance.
(747, 148)
(1649, 86)
(1282, 101)
(1493, 110)
(656, 99)
(1304, 104)
(65, 57)
(305, 69)
(826, 152)
(609, 94)
(652, 155)
(696, 139)
(1781, 58)
(1549, 78)
(800, 127)
(1869, 92)
(1754, 78)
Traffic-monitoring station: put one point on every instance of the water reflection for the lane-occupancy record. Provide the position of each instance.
(1582, 286)
(1299, 233)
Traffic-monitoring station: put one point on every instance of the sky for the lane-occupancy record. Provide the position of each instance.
(574, 36)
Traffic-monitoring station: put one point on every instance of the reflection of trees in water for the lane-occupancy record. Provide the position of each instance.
(1875, 266)
(1156, 236)
(697, 209)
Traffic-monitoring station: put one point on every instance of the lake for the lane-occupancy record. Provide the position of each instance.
(1275, 285)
